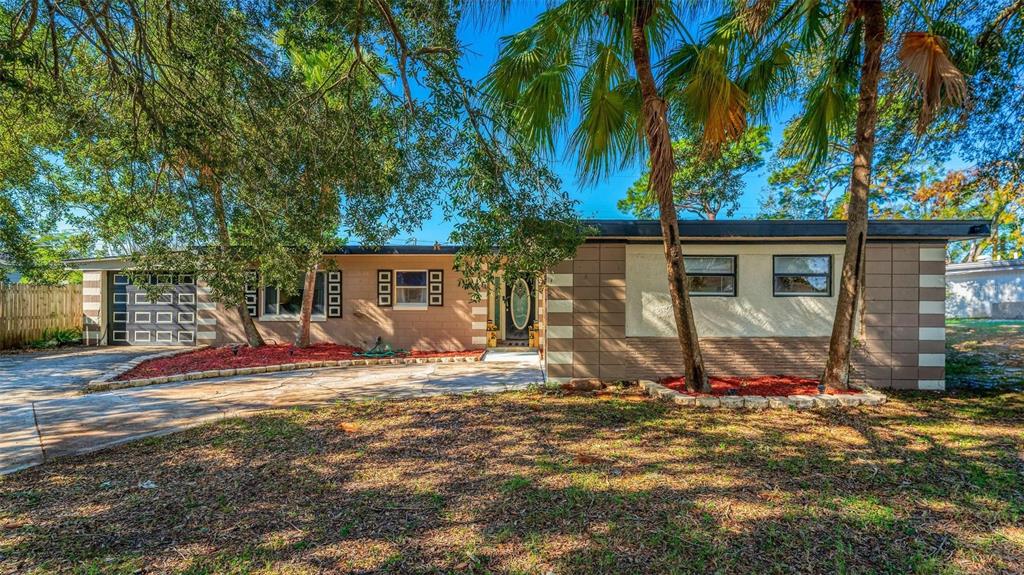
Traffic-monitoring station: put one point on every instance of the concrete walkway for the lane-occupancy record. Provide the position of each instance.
(39, 431)
(28, 377)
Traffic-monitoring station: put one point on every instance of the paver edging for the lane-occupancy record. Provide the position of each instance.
(106, 382)
(867, 397)
(130, 364)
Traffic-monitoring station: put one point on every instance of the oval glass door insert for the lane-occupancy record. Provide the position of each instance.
(520, 303)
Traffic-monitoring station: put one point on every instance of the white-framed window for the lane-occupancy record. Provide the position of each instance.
(711, 275)
(186, 298)
(164, 316)
(278, 304)
(411, 289)
(121, 298)
(802, 275)
(186, 317)
(186, 337)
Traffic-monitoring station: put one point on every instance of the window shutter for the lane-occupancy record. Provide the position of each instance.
(384, 288)
(334, 294)
(435, 287)
(252, 287)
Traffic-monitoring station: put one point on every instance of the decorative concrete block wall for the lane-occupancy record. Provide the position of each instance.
(206, 316)
(93, 307)
(904, 336)
(901, 346)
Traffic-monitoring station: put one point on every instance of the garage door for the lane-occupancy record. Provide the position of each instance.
(137, 320)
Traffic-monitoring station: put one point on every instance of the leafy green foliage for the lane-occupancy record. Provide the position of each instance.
(57, 337)
(703, 184)
(304, 125)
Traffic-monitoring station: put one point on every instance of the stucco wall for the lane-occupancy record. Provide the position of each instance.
(996, 294)
(753, 312)
(458, 324)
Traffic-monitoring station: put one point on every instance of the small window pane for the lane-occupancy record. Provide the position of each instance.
(712, 285)
(318, 294)
(291, 304)
(411, 279)
(412, 295)
(714, 265)
(801, 264)
(270, 301)
(801, 284)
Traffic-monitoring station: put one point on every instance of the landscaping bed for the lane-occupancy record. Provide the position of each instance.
(529, 482)
(238, 357)
(768, 386)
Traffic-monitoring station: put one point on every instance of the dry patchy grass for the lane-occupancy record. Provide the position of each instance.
(532, 483)
(985, 353)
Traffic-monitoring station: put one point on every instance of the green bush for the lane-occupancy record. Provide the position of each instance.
(57, 337)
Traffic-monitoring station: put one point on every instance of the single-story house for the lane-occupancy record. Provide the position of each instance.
(988, 289)
(764, 293)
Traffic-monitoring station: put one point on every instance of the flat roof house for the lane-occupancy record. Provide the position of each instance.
(988, 289)
(764, 293)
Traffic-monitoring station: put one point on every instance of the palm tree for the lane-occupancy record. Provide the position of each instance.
(595, 57)
(845, 43)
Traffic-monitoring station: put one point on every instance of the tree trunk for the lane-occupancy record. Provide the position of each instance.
(252, 334)
(659, 143)
(306, 314)
(837, 367)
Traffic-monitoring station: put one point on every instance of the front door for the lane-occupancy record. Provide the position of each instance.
(520, 310)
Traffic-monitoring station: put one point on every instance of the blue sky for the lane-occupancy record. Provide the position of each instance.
(597, 200)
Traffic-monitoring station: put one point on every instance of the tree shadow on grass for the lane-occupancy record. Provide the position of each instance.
(500, 484)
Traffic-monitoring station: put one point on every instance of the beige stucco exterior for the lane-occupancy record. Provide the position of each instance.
(753, 312)
(458, 324)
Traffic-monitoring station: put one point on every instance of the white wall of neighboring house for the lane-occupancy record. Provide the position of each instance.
(991, 289)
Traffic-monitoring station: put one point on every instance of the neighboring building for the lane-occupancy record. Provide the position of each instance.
(764, 293)
(989, 289)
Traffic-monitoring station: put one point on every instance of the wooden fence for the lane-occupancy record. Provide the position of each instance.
(27, 310)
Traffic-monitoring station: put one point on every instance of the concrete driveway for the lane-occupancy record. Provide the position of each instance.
(31, 377)
(33, 433)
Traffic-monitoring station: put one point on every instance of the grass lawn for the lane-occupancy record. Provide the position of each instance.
(532, 483)
(985, 353)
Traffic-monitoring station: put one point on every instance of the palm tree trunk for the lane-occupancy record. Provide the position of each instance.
(837, 367)
(659, 143)
(306, 314)
(252, 334)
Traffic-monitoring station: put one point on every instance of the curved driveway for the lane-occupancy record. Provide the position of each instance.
(40, 430)
(30, 377)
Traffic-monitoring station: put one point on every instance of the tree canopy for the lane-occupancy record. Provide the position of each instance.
(303, 126)
(703, 184)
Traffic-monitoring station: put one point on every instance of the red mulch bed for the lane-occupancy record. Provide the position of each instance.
(767, 385)
(232, 357)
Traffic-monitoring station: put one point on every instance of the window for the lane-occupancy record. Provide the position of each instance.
(711, 275)
(803, 275)
(277, 303)
(411, 288)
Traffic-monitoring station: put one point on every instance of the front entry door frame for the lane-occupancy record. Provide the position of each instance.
(505, 317)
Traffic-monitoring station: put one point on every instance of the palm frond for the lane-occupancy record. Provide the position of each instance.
(924, 56)
(713, 104)
(608, 134)
(830, 104)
